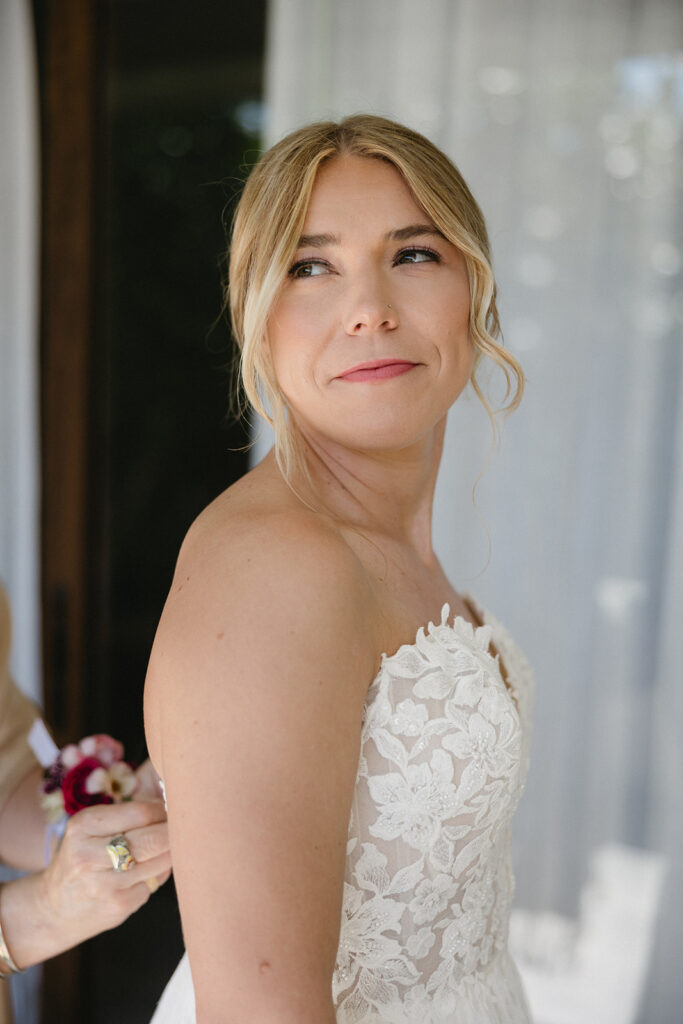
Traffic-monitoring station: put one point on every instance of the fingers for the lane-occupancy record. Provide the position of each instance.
(107, 820)
(87, 839)
(148, 842)
(156, 869)
(138, 895)
(145, 844)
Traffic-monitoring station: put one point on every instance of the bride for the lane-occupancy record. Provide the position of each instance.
(339, 816)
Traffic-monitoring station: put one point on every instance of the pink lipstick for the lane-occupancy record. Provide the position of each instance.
(378, 369)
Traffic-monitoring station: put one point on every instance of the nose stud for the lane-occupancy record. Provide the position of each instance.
(389, 305)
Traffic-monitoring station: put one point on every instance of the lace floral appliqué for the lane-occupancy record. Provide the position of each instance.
(428, 883)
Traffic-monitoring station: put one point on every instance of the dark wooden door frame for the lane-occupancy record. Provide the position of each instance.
(67, 43)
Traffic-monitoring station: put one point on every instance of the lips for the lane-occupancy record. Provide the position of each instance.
(377, 370)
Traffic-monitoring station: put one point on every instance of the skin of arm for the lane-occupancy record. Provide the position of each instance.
(79, 894)
(253, 705)
(22, 825)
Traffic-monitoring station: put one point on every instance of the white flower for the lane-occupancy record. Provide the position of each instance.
(489, 753)
(409, 719)
(431, 896)
(53, 805)
(362, 942)
(118, 782)
(419, 944)
(415, 804)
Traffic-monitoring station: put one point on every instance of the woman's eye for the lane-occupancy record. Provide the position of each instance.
(417, 256)
(308, 268)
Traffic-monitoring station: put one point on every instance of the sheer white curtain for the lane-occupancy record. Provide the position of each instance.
(19, 239)
(566, 121)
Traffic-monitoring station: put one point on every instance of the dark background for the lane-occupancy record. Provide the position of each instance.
(169, 124)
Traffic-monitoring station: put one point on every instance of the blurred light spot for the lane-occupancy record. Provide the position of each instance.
(501, 81)
(654, 317)
(250, 116)
(665, 258)
(544, 222)
(596, 968)
(643, 78)
(545, 940)
(618, 596)
(523, 334)
(622, 161)
(536, 270)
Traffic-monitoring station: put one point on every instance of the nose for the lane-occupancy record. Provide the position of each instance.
(370, 312)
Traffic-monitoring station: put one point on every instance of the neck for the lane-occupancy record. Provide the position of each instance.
(389, 495)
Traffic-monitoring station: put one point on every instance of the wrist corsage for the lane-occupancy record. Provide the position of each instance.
(92, 771)
(82, 774)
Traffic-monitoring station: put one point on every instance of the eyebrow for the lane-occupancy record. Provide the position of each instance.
(412, 231)
(398, 235)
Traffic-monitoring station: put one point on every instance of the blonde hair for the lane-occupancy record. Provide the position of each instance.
(269, 221)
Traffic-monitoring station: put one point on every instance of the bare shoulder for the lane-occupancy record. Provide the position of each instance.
(270, 582)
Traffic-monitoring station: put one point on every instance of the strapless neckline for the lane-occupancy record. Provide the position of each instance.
(450, 622)
(473, 635)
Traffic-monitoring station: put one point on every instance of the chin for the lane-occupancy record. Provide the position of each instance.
(375, 434)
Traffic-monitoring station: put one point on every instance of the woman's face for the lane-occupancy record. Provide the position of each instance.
(369, 335)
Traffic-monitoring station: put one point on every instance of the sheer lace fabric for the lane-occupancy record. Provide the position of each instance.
(428, 886)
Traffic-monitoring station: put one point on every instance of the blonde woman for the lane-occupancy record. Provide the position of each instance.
(343, 736)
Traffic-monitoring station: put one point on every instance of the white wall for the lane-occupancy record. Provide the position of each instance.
(19, 238)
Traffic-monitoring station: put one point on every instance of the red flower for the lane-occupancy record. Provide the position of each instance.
(76, 796)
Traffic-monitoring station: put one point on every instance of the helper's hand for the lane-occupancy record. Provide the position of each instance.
(80, 894)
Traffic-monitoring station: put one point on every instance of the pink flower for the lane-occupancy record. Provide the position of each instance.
(70, 756)
(106, 749)
(90, 772)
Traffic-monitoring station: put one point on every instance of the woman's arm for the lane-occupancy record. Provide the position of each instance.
(22, 825)
(255, 695)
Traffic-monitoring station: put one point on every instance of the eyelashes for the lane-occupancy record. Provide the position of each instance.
(409, 256)
(431, 254)
(297, 269)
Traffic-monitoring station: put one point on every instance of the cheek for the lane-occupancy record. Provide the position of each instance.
(291, 354)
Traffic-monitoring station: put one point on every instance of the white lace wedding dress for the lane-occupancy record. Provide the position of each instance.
(428, 887)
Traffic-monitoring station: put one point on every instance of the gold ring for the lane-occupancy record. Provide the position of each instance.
(119, 852)
(152, 884)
